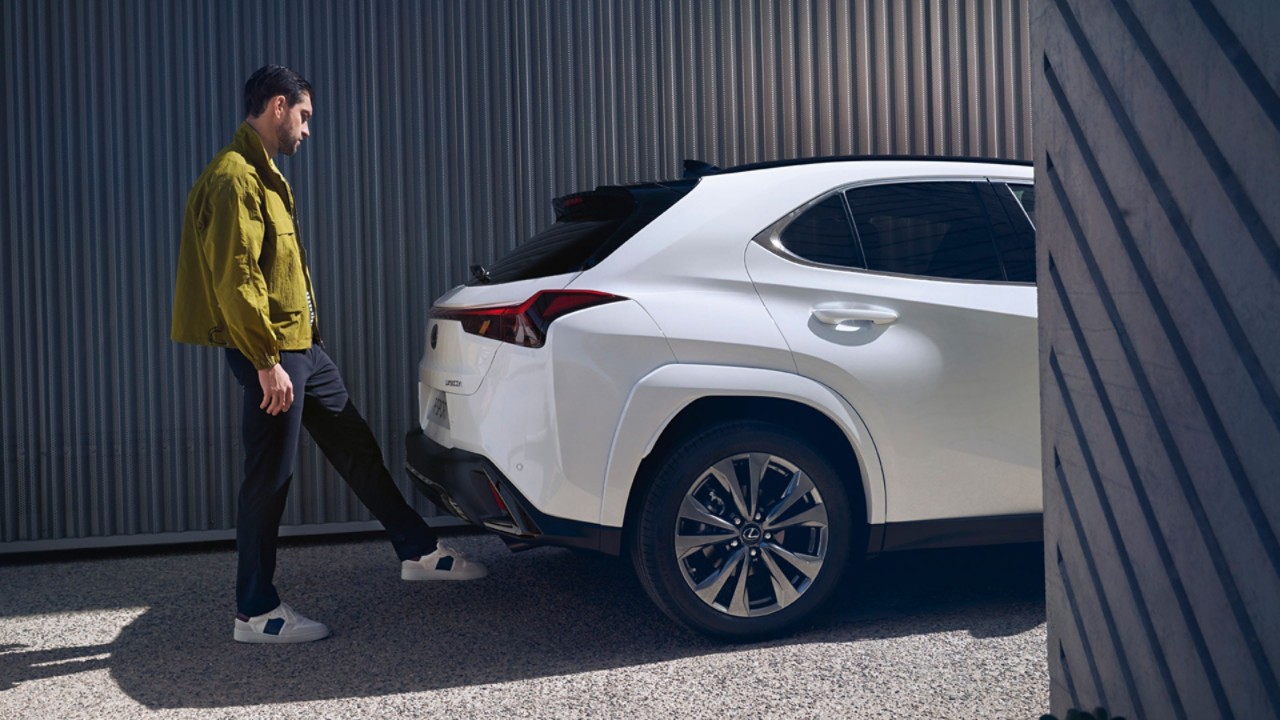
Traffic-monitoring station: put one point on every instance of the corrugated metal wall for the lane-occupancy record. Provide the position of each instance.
(1158, 134)
(442, 130)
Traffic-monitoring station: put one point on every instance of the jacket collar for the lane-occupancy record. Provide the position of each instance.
(248, 144)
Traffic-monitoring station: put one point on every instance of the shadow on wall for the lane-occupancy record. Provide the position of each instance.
(544, 613)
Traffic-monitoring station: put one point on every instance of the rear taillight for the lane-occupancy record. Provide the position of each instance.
(524, 324)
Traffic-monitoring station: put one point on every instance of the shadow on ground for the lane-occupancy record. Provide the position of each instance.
(541, 613)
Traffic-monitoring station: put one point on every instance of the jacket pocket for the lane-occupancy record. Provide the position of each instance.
(286, 283)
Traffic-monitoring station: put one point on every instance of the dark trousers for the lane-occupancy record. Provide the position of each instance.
(321, 405)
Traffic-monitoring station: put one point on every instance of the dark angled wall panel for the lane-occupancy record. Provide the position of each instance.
(442, 130)
(1157, 142)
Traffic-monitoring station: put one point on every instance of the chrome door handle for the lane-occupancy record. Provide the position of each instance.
(841, 314)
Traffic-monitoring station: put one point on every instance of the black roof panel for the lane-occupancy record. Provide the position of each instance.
(845, 158)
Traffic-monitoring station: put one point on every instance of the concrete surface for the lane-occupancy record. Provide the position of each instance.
(550, 634)
(1157, 130)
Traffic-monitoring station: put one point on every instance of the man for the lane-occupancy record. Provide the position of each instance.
(243, 284)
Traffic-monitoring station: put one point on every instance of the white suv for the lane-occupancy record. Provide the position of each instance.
(748, 379)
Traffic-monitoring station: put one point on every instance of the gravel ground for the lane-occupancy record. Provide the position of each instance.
(550, 634)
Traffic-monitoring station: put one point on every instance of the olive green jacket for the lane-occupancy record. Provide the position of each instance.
(243, 280)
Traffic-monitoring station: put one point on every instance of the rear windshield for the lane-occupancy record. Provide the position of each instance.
(588, 227)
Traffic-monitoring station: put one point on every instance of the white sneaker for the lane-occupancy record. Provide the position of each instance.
(282, 625)
(443, 564)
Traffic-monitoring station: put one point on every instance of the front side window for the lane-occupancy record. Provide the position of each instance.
(1026, 197)
(824, 235)
(1018, 248)
(935, 229)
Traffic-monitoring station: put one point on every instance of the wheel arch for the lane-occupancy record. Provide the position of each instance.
(674, 401)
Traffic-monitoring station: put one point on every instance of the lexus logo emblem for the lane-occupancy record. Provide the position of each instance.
(435, 335)
(751, 533)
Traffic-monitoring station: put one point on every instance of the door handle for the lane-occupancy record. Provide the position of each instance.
(839, 315)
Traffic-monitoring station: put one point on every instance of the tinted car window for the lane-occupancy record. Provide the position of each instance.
(937, 229)
(1018, 249)
(589, 226)
(1026, 196)
(823, 234)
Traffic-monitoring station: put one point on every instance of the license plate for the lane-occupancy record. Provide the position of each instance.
(439, 410)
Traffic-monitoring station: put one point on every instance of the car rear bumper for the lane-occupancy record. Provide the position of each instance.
(471, 487)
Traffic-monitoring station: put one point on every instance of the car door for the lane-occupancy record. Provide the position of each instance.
(895, 295)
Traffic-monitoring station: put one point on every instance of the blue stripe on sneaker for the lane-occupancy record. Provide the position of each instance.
(274, 626)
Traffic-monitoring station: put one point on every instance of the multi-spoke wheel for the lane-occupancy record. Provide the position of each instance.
(745, 532)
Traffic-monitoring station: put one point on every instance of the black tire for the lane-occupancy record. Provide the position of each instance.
(757, 606)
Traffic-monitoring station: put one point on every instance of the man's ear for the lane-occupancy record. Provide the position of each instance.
(280, 104)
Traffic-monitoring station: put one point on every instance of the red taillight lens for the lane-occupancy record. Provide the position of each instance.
(524, 324)
(502, 505)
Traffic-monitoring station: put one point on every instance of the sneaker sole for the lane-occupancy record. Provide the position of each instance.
(418, 575)
(249, 636)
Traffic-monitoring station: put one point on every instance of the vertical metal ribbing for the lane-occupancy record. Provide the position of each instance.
(441, 132)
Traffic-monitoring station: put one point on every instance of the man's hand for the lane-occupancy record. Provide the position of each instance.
(277, 389)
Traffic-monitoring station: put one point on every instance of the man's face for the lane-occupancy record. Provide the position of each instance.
(294, 125)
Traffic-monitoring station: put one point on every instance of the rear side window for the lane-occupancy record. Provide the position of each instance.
(588, 227)
(936, 229)
(824, 234)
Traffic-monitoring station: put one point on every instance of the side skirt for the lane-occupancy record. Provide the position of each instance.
(956, 532)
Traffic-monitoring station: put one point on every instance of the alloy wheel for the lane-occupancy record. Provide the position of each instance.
(752, 534)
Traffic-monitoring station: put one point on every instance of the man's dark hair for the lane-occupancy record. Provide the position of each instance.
(269, 81)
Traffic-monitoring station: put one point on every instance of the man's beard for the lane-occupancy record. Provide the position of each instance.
(289, 144)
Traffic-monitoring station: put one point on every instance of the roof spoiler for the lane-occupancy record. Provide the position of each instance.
(698, 168)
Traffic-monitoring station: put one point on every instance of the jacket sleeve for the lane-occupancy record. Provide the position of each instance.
(232, 246)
